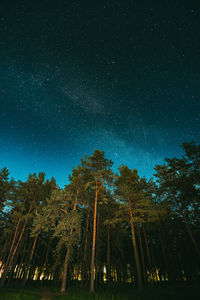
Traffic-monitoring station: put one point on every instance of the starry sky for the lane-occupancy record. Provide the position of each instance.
(120, 76)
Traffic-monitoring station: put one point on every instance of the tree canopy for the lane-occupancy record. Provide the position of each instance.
(103, 227)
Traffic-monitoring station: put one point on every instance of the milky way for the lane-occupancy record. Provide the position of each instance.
(119, 76)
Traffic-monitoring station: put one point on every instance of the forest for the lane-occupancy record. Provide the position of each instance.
(102, 228)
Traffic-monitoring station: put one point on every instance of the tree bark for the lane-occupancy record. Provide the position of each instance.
(188, 228)
(137, 261)
(163, 249)
(142, 255)
(12, 253)
(93, 243)
(65, 268)
(27, 270)
(147, 248)
(6, 269)
(4, 253)
(84, 268)
(108, 269)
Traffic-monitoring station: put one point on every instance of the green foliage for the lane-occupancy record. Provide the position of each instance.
(179, 182)
(163, 217)
(59, 220)
(99, 167)
(135, 194)
(6, 187)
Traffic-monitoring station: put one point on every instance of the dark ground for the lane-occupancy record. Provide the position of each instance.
(177, 291)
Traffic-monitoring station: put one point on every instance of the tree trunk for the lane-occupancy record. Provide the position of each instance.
(108, 269)
(93, 243)
(189, 231)
(138, 267)
(163, 249)
(84, 266)
(11, 255)
(64, 278)
(142, 255)
(27, 270)
(147, 248)
(6, 269)
(4, 252)
(22, 250)
(65, 268)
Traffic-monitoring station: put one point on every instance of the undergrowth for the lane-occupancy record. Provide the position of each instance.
(127, 292)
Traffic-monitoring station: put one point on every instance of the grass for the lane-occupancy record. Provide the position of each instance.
(125, 292)
(19, 294)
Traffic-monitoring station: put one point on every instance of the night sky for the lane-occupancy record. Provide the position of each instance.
(75, 76)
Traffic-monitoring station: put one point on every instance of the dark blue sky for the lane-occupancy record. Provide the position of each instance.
(119, 76)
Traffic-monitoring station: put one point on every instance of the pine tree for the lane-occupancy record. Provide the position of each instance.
(100, 173)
